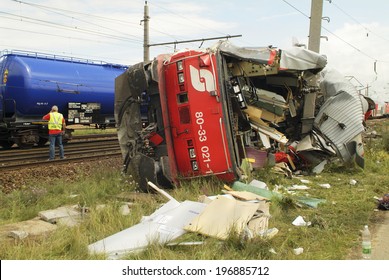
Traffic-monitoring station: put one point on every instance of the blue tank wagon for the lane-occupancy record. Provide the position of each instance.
(31, 83)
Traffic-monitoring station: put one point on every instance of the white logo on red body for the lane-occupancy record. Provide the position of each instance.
(202, 80)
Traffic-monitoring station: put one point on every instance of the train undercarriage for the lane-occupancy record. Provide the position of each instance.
(27, 135)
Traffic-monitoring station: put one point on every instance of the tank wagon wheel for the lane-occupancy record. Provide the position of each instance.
(100, 126)
(42, 141)
(6, 144)
(67, 136)
(23, 145)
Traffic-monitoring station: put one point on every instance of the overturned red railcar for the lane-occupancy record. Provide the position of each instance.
(206, 112)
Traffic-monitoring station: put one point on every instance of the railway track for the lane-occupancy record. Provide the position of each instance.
(84, 149)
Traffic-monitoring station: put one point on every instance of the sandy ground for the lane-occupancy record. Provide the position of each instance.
(380, 238)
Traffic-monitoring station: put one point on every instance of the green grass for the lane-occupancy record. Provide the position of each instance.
(87, 130)
(334, 233)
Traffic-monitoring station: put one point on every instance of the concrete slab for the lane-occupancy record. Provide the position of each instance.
(18, 234)
(53, 215)
(34, 227)
(69, 221)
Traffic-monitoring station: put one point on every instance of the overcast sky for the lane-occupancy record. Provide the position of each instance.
(355, 32)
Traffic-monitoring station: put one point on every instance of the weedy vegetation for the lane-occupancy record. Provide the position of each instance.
(334, 232)
(87, 130)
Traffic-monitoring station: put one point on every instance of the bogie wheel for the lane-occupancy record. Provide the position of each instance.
(23, 145)
(6, 145)
(42, 141)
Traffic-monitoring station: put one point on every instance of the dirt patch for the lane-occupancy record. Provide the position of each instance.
(379, 228)
(70, 172)
(380, 239)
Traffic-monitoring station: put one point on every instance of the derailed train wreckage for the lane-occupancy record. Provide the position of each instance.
(205, 112)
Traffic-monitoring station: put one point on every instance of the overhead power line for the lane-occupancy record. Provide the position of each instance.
(368, 31)
(62, 12)
(194, 40)
(301, 12)
(187, 21)
(66, 27)
(336, 36)
(65, 12)
(206, 27)
(75, 12)
(52, 35)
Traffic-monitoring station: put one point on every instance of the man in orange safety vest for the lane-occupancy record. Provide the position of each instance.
(57, 127)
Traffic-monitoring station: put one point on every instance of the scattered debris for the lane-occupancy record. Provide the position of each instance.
(298, 251)
(161, 227)
(240, 186)
(52, 216)
(383, 202)
(270, 233)
(371, 134)
(168, 196)
(258, 184)
(70, 221)
(190, 243)
(46, 222)
(352, 182)
(235, 212)
(30, 228)
(320, 167)
(325, 186)
(18, 234)
(125, 209)
(271, 250)
(245, 195)
(308, 201)
(299, 222)
(305, 181)
(235, 216)
(298, 187)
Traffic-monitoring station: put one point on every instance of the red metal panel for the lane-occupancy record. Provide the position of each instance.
(166, 118)
(196, 123)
